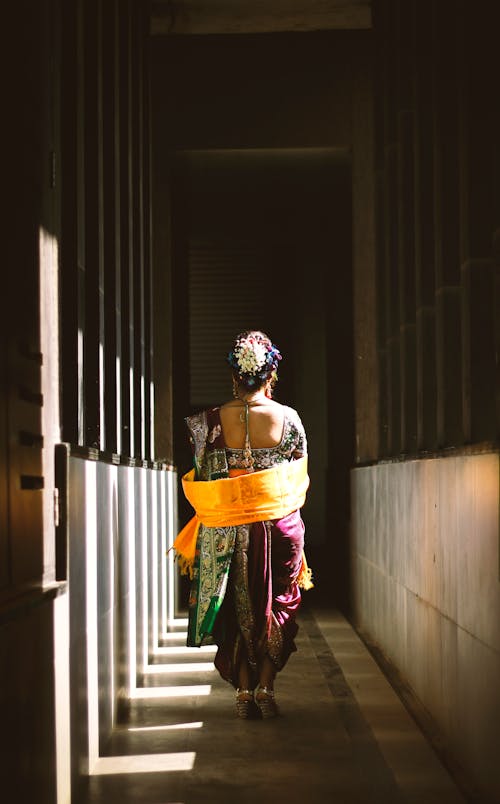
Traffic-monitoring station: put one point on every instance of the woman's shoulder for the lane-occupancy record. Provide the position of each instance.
(294, 427)
(292, 414)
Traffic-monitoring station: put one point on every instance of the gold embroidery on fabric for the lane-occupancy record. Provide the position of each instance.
(211, 571)
(270, 641)
(275, 643)
(243, 603)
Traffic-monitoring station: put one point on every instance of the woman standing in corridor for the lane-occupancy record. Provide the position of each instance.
(244, 548)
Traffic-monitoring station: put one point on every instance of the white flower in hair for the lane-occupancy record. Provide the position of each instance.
(251, 356)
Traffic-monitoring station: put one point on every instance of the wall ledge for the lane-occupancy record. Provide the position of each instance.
(482, 448)
(93, 454)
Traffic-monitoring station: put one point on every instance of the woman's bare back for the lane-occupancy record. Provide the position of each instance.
(265, 423)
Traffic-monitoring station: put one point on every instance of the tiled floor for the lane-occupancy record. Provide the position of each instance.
(343, 735)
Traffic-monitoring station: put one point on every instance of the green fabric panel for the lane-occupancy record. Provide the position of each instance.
(208, 623)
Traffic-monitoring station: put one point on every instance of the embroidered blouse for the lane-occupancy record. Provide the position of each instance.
(213, 459)
(293, 445)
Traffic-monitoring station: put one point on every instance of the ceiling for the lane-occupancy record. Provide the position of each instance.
(257, 16)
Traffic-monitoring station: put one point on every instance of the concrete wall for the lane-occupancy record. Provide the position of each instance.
(426, 588)
(121, 521)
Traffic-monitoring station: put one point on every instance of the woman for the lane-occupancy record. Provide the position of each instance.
(248, 564)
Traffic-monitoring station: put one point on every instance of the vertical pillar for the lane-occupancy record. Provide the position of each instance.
(446, 208)
(382, 339)
(424, 231)
(93, 345)
(80, 212)
(111, 193)
(162, 281)
(71, 256)
(137, 333)
(380, 89)
(363, 287)
(405, 220)
(392, 239)
(148, 411)
(117, 155)
(126, 283)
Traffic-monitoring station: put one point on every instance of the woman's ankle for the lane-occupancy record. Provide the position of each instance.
(244, 678)
(267, 675)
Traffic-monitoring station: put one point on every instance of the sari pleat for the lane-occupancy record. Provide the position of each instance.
(258, 616)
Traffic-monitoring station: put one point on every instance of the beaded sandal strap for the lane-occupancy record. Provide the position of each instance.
(266, 691)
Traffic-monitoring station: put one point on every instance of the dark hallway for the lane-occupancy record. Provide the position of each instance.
(329, 172)
(264, 236)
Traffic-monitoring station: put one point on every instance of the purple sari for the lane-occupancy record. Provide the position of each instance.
(257, 617)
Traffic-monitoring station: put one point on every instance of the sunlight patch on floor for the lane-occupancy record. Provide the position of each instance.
(175, 635)
(174, 650)
(185, 667)
(171, 692)
(172, 727)
(144, 763)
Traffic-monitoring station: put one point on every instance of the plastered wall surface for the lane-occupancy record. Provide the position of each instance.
(426, 587)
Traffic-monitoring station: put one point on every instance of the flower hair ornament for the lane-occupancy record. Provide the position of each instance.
(254, 358)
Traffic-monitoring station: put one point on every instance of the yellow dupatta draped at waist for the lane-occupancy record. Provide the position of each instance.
(268, 494)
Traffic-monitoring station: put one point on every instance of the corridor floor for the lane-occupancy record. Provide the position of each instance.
(343, 735)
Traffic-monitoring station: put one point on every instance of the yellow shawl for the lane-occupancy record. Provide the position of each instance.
(268, 494)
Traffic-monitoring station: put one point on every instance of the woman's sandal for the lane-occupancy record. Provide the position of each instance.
(244, 703)
(264, 698)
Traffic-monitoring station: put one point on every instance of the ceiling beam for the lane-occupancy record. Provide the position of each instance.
(257, 16)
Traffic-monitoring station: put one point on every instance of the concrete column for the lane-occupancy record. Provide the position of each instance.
(147, 246)
(424, 233)
(388, 29)
(446, 210)
(393, 328)
(383, 410)
(137, 283)
(162, 297)
(379, 85)
(364, 266)
(126, 300)
(111, 191)
(93, 339)
(405, 212)
(72, 274)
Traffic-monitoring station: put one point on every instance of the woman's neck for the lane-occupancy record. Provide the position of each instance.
(252, 398)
